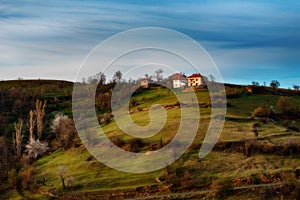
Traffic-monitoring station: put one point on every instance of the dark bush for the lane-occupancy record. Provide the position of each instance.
(136, 144)
(133, 102)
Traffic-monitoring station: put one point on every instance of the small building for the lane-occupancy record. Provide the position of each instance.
(196, 80)
(179, 80)
(179, 83)
(145, 82)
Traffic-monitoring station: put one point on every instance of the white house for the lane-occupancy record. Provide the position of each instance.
(179, 80)
(179, 83)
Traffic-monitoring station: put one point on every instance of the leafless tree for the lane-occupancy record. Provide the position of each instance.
(158, 75)
(211, 77)
(32, 122)
(62, 170)
(40, 113)
(117, 76)
(18, 138)
(102, 78)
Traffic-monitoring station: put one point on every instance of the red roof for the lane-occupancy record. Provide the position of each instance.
(195, 76)
(181, 79)
(177, 76)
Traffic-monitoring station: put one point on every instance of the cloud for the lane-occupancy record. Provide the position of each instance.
(52, 34)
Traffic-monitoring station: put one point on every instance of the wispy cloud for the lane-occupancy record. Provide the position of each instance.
(57, 35)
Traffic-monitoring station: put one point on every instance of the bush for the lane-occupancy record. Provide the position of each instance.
(136, 144)
(106, 118)
(13, 178)
(26, 177)
(286, 106)
(133, 102)
(117, 141)
(261, 111)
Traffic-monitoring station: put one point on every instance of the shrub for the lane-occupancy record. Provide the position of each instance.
(286, 106)
(133, 102)
(117, 141)
(135, 144)
(12, 178)
(261, 111)
(26, 177)
(106, 118)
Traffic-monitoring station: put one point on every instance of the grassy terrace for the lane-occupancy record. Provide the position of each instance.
(218, 166)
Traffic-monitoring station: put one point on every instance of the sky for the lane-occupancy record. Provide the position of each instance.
(248, 41)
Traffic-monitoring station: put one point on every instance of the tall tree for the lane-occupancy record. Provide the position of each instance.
(101, 78)
(158, 74)
(40, 113)
(18, 138)
(117, 77)
(32, 123)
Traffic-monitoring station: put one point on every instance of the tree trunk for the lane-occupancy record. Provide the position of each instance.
(40, 113)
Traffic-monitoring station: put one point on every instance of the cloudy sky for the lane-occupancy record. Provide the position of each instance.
(257, 40)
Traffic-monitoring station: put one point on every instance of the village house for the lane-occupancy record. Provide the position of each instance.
(179, 80)
(196, 80)
(145, 82)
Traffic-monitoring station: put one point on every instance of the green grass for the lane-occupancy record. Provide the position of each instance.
(244, 106)
(90, 175)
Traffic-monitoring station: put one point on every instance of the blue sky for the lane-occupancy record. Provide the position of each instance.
(254, 40)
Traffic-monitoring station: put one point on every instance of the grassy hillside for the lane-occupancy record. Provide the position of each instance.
(251, 150)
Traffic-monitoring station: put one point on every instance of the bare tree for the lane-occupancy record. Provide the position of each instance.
(18, 138)
(40, 113)
(212, 78)
(62, 170)
(117, 76)
(32, 122)
(45, 177)
(102, 78)
(83, 80)
(158, 74)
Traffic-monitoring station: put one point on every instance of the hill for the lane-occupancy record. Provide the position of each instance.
(253, 149)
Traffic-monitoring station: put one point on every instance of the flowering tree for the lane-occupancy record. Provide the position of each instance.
(36, 148)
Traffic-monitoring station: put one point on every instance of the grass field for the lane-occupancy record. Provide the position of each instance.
(89, 175)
